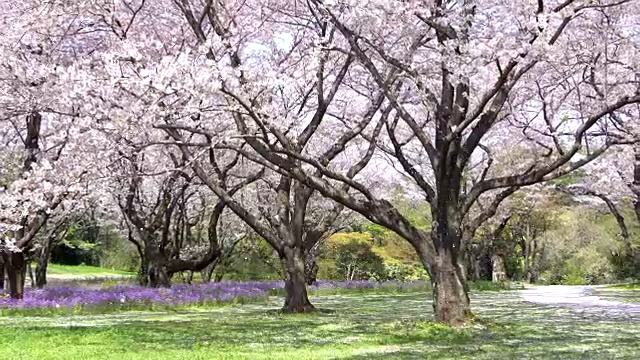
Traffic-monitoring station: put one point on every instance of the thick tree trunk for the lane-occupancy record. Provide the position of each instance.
(499, 272)
(158, 276)
(296, 298)
(153, 271)
(16, 271)
(450, 292)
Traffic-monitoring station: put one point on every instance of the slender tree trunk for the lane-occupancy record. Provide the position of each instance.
(219, 264)
(477, 265)
(43, 263)
(525, 254)
(2, 272)
(467, 258)
(532, 275)
(296, 298)
(41, 274)
(635, 184)
(30, 273)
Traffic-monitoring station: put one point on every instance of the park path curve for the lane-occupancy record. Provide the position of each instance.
(582, 300)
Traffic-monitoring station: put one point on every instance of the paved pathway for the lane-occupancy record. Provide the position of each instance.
(581, 299)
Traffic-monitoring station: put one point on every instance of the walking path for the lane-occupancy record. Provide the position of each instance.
(581, 299)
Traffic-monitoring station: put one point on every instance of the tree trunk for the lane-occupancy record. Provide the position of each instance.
(41, 274)
(311, 267)
(158, 276)
(143, 279)
(153, 271)
(43, 263)
(16, 271)
(2, 272)
(467, 258)
(450, 291)
(532, 272)
(296, 298)
(218, 277)
(219, 264)
(30, 273)
(477, 265)
(499, 272)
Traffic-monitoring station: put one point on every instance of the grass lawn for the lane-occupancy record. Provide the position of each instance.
(626, 293)
(374, 326)
(67, 272)
(634, 286)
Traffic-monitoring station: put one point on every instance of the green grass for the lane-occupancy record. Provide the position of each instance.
(625, 293)
(57, 271)
(372, 326)
(634, 286)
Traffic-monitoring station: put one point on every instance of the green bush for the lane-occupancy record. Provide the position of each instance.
(354, 258)
(404, 272)
(356, 261)
(327, 269)
(253, 260)
(625, 266)
(117, 253)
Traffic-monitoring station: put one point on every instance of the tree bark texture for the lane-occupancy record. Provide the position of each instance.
(154, 272)
(296, 297)
(450, 292)
(43, 263)
(499, 272)
(15, 264)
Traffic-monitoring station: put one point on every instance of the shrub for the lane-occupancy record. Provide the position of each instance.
(625, 266)
(354, 257)
(405, 272)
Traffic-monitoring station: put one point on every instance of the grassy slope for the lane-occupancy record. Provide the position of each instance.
(55, 271)
(360, 327)
(634, 286)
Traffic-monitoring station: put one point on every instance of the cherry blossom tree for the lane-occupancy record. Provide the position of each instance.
(290, 216)
(448, 80)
